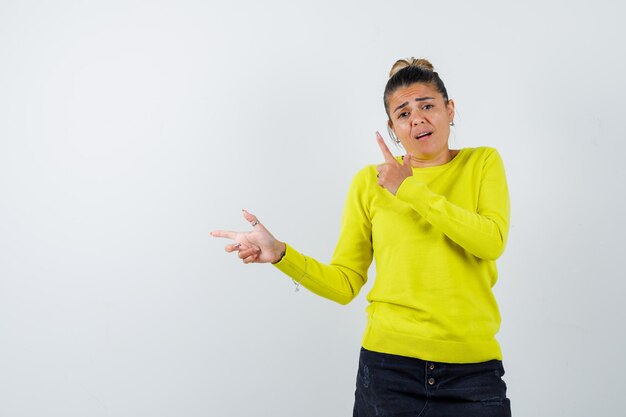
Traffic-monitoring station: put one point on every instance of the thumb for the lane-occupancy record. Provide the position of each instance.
(407, 159)
(251, 218)
(254, 221)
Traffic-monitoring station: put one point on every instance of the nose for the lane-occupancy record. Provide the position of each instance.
(417, 120)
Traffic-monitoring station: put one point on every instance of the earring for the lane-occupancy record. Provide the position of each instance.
(452, 123)
(392, 136)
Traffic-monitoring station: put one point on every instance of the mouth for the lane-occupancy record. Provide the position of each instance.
(423, 135)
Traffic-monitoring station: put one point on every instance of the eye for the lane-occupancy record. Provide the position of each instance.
(427, 106)
(403, 115)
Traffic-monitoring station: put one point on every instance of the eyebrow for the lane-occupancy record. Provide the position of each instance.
(416, 99)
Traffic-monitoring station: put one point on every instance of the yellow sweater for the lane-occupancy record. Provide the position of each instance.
(435, 244)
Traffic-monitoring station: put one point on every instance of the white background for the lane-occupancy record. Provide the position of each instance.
(128, 130)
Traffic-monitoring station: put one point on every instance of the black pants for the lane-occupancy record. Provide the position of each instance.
(397, 386)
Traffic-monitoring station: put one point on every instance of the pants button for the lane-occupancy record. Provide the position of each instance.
(431, 366)
(431, 381)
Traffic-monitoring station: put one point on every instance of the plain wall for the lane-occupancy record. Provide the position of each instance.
(129, 130)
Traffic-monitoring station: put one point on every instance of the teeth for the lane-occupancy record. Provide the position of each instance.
(422, 135)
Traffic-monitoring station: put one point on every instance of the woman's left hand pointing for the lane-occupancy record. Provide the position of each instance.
(392, 173)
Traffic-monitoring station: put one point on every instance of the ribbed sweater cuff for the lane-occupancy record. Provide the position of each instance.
(292, 264)
(416, 194)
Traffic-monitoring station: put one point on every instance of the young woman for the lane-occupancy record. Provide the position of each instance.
(435, 221)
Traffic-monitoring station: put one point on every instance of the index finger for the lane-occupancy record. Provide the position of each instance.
(384, 149)
(224, 233)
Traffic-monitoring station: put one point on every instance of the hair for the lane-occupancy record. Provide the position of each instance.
(406, 72)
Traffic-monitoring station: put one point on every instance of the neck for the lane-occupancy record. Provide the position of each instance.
(430, 161)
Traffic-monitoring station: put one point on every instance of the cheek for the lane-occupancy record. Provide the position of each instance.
(403, 126)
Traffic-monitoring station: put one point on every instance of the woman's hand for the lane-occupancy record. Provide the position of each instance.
(392, 173)
(257, 245)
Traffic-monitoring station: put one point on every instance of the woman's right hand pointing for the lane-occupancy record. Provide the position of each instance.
(257, 245)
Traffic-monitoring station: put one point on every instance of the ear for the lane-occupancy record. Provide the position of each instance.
(450, 108)
(390, 125)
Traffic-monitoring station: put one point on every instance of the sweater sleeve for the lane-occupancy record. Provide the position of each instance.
(483, 231)
(342, 279)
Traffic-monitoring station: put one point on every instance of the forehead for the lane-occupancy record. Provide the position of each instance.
(412, 92)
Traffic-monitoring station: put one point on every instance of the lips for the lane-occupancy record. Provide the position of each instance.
(423, 135)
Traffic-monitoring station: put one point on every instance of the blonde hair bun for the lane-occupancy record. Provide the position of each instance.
(410, 62)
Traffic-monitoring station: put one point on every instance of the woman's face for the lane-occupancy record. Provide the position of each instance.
(420, 119)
